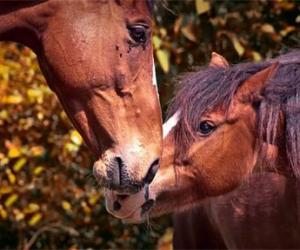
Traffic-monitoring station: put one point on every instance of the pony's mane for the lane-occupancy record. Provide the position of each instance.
(209, 88)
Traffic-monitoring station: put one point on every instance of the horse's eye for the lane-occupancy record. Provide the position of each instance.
(138, 33)
(206, 127)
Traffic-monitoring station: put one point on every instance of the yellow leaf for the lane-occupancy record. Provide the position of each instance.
(4, 161)
(12, 99)
(165, 242)
(268, 28)
(38, 170)
(31, 208)
(163, 32)
(11, 200)
(3, 213)
(3, 114)
(237, 46)
(40, 116)
(34, 94)
(4, 72)
(156, 42)
(287, 30)
(187, 31)
(76, 137)
(35, 219)
(14, 152)
(256, 56)
(93, 199)
(19, 164)
(66, 205)
(86, 207)
(202, 6)
(163, 57)
(5, 189)
(37, 151)
(71, 147)
(177, 24)
(11, 177)
(19, 215)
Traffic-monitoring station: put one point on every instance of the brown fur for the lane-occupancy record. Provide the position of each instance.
(99, 75)
(263, 210)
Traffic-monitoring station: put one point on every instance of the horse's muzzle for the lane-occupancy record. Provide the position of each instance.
(115, 175)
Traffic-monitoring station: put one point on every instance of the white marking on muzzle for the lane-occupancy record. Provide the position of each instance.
(170, 123)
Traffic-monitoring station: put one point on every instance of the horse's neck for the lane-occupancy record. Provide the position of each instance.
(21, 21)
(263, 213)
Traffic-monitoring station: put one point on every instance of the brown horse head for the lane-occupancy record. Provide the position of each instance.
(225, 123)
(97, 57)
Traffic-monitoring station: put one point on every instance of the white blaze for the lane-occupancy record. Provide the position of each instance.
(154, 81)
(171, 123)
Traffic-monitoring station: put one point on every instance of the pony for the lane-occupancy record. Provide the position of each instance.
(232, 145)
(97, 57)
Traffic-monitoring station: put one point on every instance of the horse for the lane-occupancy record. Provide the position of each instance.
(231, 145)
(97, 57)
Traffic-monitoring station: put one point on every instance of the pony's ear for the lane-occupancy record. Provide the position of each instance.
(218, 61)
(250, 90)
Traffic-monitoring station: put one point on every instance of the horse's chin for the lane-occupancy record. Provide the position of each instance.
(130, 208)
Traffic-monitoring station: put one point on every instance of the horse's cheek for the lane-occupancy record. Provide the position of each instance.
(223, 164)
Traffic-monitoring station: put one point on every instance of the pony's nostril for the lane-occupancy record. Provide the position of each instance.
(151, 172)
(147, 206)
(117, 206)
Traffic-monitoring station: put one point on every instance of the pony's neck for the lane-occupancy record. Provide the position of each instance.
(275, 160)
(23, 21)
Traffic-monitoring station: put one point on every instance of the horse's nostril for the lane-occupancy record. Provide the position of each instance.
(115, 172)
(151, 172)
(120, 166)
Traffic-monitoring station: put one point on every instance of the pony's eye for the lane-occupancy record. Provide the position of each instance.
(206, 127)
(138, 33)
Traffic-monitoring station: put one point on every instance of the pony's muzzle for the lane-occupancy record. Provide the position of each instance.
(151, 172)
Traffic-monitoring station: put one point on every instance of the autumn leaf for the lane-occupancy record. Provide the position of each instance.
(268, 28)
(188, 32)
(35, 219)
(202, 6)
(163, 57)
(19, 164)
(11, 200)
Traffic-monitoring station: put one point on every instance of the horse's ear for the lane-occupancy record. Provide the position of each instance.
(251, 89)
(218, 61)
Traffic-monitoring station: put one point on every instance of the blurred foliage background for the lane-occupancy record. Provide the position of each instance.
(48, 197)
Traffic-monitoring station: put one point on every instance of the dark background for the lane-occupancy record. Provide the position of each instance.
(48, 197)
